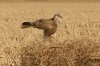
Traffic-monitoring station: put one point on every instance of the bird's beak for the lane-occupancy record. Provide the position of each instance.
(60, 16)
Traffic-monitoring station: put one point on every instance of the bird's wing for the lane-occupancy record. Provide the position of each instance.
(43, 24)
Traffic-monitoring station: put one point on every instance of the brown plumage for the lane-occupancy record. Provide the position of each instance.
(49, 26)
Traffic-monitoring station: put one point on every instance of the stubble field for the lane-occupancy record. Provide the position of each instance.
(76, 43)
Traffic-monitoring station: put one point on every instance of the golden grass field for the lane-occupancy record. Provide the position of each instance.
(76, 43)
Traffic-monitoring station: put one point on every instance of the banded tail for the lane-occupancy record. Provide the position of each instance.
(26, 24)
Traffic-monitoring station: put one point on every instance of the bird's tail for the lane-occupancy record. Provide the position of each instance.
(27, 24)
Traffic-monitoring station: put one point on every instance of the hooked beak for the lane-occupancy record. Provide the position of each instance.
(60, 16)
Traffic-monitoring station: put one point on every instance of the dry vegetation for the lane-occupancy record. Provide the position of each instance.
(76, 41)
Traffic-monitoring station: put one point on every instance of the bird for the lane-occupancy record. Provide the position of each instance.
(49, 26)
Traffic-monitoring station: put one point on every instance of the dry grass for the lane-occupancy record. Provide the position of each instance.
(76, 41)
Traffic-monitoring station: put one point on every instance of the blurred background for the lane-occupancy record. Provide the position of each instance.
(49, 0)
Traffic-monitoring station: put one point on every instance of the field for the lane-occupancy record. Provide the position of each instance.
(76, 43)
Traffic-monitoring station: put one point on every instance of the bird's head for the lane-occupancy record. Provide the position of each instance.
(57, 17)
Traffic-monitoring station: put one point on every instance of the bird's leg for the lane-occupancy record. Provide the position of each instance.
(47, 38)
(52, 39)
